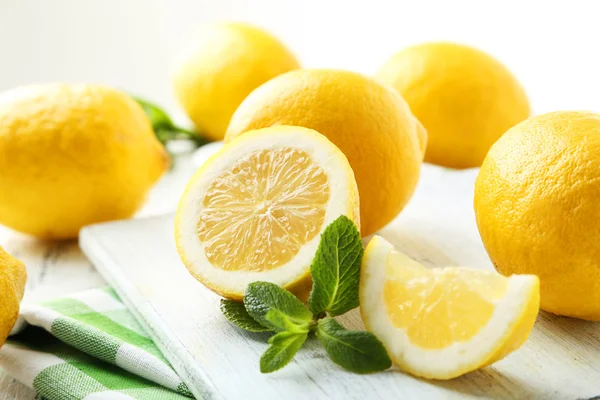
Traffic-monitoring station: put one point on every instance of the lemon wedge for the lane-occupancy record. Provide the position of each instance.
(255, 210)
(441, 323)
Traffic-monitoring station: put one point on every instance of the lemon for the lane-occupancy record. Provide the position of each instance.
(13, 276)
(536, 201)
(465, 99)
(224, 64)
(255, 210)
(72, 155)
(370, 123)
(444, 322)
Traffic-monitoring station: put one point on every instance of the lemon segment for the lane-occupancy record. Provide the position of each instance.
(442, 323)
(255, 210)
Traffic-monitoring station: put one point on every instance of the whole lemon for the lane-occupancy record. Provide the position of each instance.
(13, 276)
(465, 99)
(536, 201)
(72, 155)
(369, 122)
(225, 63)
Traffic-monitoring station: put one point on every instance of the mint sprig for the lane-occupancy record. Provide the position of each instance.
(335, 269)
(335, 272)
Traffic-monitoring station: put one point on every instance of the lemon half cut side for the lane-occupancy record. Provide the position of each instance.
(255, 210)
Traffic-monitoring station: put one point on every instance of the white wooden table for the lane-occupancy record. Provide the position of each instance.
(57, 268)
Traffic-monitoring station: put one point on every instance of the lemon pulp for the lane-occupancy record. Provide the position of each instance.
(257, 215)
(439, 307)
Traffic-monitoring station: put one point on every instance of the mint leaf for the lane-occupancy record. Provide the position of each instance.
(262, 297)
(236, 313)
(356, 351)
(284, 323)
(284, 346)
(335, 269)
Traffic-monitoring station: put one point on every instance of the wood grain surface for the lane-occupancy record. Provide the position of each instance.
(561, 359)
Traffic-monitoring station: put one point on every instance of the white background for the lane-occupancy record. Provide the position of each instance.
(552, 46)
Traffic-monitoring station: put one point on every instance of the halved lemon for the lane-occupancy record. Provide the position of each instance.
(255, 210)
(441, 323)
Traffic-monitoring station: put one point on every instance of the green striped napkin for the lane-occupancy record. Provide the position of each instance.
(88, 346)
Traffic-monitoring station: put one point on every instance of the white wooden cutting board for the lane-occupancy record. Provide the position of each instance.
(561, 359)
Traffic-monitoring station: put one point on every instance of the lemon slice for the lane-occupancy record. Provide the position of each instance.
(255, 210)
(444, 322)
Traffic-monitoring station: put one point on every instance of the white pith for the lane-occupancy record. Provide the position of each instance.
(322, 152)
(459, 355)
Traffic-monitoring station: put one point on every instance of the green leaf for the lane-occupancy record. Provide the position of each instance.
(283, 322)
(284, 346)
(236, 313)
(163, 126)
(158, 118)
(335, 269)
(356, 351)
(262, 297)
